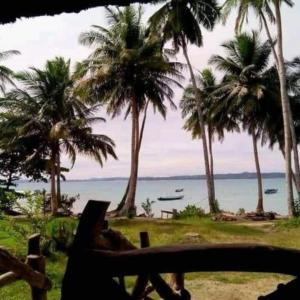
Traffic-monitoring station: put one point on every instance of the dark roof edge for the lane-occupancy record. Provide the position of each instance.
(15, 9)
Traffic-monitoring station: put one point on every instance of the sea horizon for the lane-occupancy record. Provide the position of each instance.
(218, 176)
(232, 194)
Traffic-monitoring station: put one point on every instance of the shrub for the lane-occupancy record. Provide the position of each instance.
(191, 211)
(147, 207)
(288, 223)
(297, 207)
(7, 199)
(217, 206)
(241, 212)
(61, 231)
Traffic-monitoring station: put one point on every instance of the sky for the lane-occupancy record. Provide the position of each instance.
(167, 149)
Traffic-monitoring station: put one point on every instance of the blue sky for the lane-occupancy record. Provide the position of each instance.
(167, 149)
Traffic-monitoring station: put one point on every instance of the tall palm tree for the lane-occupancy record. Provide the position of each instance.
(216, 124)
(244, 88)
(46, 111)
(127, 70)
(6, 74)
(181, 21)
(263, 8)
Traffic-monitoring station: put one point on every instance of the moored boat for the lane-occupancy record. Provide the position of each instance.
(170, 198)
(179, 190)
(271, 191)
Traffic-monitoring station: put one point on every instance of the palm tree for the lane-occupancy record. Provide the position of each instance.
(244, 88)
(216, 124)
(127, 70)
(263, 8)
(179, 21)
(46, 111)
(6, 74)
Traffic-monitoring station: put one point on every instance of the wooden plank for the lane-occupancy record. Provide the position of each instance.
(10, 263)
(8, 278)
(195, 258)
(38, 264)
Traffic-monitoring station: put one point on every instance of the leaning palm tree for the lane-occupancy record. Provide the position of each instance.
(216, 124)
(126, 71)
(263, 8)
(6, 74)
(244, 89)
(179, 21)
(46, 110)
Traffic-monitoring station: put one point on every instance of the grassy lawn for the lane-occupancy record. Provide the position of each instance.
(203, 286)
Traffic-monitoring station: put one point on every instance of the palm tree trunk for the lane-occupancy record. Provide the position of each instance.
(292, 126)
(58, 173)
(211, 200)
(211, 159)
(285, 112)
(54, 205)
(129, 206)
(270, 38)
(121, 204)
(260, 205)
(295, 152)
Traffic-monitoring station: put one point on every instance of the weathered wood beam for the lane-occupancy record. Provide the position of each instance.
(8, 278)
(194, 258)
(31, 8)
(79, 284)
(35, 279)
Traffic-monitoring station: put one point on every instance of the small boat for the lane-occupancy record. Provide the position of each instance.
(170, 198)
(179, 190)
(271, 191)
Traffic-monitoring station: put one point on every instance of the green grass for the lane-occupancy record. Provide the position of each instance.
(283, 233)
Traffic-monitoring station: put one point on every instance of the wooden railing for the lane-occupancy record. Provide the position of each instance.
(101, 257)
(32, 271)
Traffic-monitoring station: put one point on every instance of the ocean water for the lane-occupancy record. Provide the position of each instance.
(232, 194)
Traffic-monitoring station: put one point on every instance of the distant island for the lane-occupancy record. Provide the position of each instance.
(244, 175)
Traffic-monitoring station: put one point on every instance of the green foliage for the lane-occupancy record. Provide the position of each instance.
(31, 206)
(61, 231)
(191, 211)
(217, 208)
(297, 207)
(289, 223)
(7, 200)
(147, 207)
(241, 211)
(182, 21)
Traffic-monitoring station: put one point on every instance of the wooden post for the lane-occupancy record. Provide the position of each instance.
(142, 280)
(34, 245)
(37, 263)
